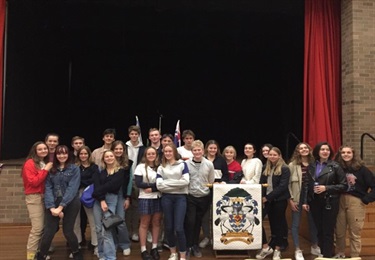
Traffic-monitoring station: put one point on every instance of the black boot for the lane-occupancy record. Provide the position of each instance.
(77, 256)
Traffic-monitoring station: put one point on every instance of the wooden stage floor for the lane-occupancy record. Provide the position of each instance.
(13, 246)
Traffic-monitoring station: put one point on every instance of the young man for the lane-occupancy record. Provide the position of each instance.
(108, 137)
(155, 138)
(135, 151)
(202, 172)
(188, 137)
(77, 142)
(52, 141)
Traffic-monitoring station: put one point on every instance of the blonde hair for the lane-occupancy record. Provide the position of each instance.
(230, 147)
(274, 169)
(117, 166)
(197, 143)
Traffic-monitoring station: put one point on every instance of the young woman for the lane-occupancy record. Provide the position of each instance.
(202, 172)
(352, 209)
(251, 166)
(263, 153)
(275, 201)
(234, 167)
(298, 165)
(149, 203)
(107, 185)
(122, 239)
(326, 180)
(173, 180)
(212, 153)
(61, 200)
(88, 169)
(34, 174)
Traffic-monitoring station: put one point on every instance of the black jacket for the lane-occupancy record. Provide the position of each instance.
(332, 176)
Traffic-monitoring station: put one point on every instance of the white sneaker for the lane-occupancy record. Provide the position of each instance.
(126, 252)
(135, 237)
(48, 257)
(96, 251)
(173, 256)
(149, 237)
(315, 251)
(298, 255)
(339, 256)
(204, 242)
(71, 256)
(264, 252)
(276, 255)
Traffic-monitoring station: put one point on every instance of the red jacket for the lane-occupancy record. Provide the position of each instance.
(33, 178)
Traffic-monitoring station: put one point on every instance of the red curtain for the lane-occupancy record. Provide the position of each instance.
(2, 29)
(322, 78)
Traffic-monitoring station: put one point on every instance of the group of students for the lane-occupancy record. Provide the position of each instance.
(165, 191)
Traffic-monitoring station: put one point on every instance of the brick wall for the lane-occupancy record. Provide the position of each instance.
(12, 199)
(358, 74)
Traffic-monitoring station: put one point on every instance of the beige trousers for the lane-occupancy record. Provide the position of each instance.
(351, 217)
(35, 206)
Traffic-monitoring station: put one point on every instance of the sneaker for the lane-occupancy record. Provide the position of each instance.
(264, 252)
(155, 254)
(146, 256)
(51, 249)
(298, 255)
(126, 252)
(339, 256)
(204, 242)
(96, 251)
(135, 237)
(315, 251)
(173, 256)
(149, 237)
(276, 255)
(71, 256)
(48, 257)
(195, 251)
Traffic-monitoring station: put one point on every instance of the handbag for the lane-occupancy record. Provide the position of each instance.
(112, 220)
(86, 198)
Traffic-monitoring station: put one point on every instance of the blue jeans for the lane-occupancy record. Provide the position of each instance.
(121, 232)
(106, 243)
(296, 219)
(174, 209)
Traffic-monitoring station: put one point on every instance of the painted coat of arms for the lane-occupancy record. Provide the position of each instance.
(237, 216)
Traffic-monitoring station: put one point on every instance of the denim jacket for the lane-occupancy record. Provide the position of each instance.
(65, 184)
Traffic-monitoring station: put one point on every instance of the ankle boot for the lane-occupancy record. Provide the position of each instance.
(77, 256)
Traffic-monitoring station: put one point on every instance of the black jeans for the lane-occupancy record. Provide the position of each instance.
(325, 222)
(277, 219)
(195, 210)
(51, 225)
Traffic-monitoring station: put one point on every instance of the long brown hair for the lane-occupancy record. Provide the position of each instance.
(297, 158)
(124, 159)
(148, 163)
(33, 155)
(356, 163)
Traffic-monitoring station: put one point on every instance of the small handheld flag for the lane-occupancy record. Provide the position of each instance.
(177, 135)
(140, 135)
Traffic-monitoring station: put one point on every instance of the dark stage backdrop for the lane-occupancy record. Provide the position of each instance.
(228, 70)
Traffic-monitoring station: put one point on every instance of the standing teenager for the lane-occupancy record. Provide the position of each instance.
(149, 202)
(61, 201)
(352, 208)
(298, 165)
(326, 180)
(34, 174)
(173, 180)
(107, 185)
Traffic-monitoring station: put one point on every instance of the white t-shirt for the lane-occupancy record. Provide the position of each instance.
(148, 177)
(185, 154)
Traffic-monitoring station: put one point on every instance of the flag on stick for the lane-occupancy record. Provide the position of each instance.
(140, 134)
(177, 135)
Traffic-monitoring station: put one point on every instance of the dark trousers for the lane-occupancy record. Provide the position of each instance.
(195, 210)
(325, 222)
(51, 225)
(276, 216)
